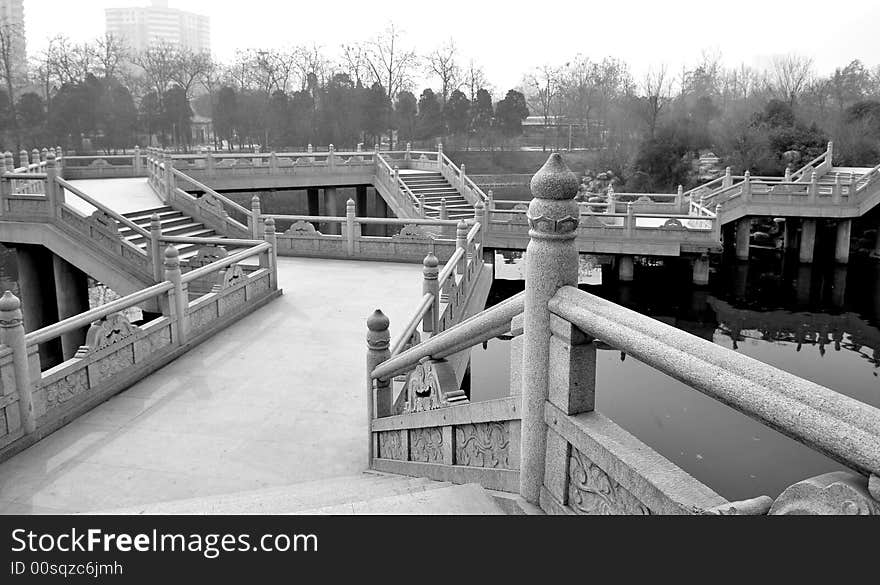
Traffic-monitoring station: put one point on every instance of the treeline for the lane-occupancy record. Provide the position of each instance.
(649, 132)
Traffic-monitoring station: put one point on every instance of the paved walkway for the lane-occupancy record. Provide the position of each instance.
(120, 195)
(275, 399)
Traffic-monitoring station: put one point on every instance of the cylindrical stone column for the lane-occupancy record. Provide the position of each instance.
(12, 336)
(841, 248)
(625, 268)
(551, 263)
(72, 297)
(331, 208)
(743, 231)
(808, 241)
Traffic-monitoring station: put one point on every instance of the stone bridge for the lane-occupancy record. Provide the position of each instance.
(273, 415)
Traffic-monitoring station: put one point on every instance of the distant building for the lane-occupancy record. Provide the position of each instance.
(12, 21)
(143, 26)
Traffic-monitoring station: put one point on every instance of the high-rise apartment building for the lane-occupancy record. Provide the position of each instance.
(141, 27)
(12, 24)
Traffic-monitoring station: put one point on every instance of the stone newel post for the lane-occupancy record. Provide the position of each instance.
(12, 335)
(461, 233)
(480, 218)
(35, 157)
(378, 340)
(255, 217)
(270, 259)
(439, 155)
(54, 193)
(350, 226)
(156, 246)
(443, 212)
(23, 159)
(551, 263)
(430, 271)
(179, 299)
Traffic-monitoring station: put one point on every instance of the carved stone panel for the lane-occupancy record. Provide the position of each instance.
(105, 332)
(672, 224)
(432, 384)
(155, 341)
(837, 493)
(410, 233)
(392, 445)
(63, 389)
(302, 228)
(483, 445)
(426, 445)
(207, 254)
(111, 364)
(105, 221)
(203, 316)
(592, 492)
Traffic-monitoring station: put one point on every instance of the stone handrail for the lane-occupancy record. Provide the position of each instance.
(818, 165)
(117, 352)
(102, 208)
(839, 426)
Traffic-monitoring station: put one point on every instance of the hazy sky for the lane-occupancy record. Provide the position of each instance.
(509, 37)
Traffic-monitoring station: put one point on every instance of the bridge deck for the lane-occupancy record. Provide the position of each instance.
(277, 398)
(120, 195)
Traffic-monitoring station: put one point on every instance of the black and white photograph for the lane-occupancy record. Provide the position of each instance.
(303, 259)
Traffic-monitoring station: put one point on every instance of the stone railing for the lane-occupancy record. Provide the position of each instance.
(114, 166)
(572, 459)
(34, 402)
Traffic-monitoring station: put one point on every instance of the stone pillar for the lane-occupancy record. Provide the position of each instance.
(743, 231)
(803, 285)
(350, 227)
(551, 263)
(256, 219)
(156, 247)
(12, 336)
(35, 157)
(790, 235)
(54, 192)
(461, 232)
(841, 249)
(72, 297)
(23, 159)
(808, 241)
(179, 296)
(741, 280)
(701, 270)
(314, 203)
(331, 209)
(430, 271)
(36, 282)
(272, 255)
(378, 340)
(625, 268)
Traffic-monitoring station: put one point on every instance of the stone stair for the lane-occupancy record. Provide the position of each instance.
(366, 493)
(435, 187)
(174, 223)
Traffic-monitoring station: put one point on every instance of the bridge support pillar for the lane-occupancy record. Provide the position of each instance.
(743, 230)
(551, 263)
(838, 289)
(314, 204)
(841, 249)
(361, 200)
(700, 275)
(625, 268)
(331, 208)
(72, 296)
(36, 282)
(808, 241)
(790, 234)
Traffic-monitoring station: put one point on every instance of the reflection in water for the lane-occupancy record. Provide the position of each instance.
(820, 323)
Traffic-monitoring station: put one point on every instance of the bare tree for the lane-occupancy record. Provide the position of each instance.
(110, 53)
(355, 59)
(542, 87)
(657, 89)
(187, 68)
(10, 53)
(442, 62)
(392, 66)
(790, 75)
(474, 79)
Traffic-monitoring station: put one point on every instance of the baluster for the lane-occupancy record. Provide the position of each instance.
(378, 340)
(156, 246)
(350, 226)
(12, 329)
(551, 263)
(179, 301)
(430, 270)
(270, 259)
(461, 232)
(255, 220)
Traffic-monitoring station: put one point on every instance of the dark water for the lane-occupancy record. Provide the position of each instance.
(820, 323)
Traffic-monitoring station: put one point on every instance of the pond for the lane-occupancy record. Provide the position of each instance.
(820, 323)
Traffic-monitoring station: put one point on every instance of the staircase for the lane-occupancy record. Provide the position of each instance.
(174, 223)
(366, 493)
(435, 187)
